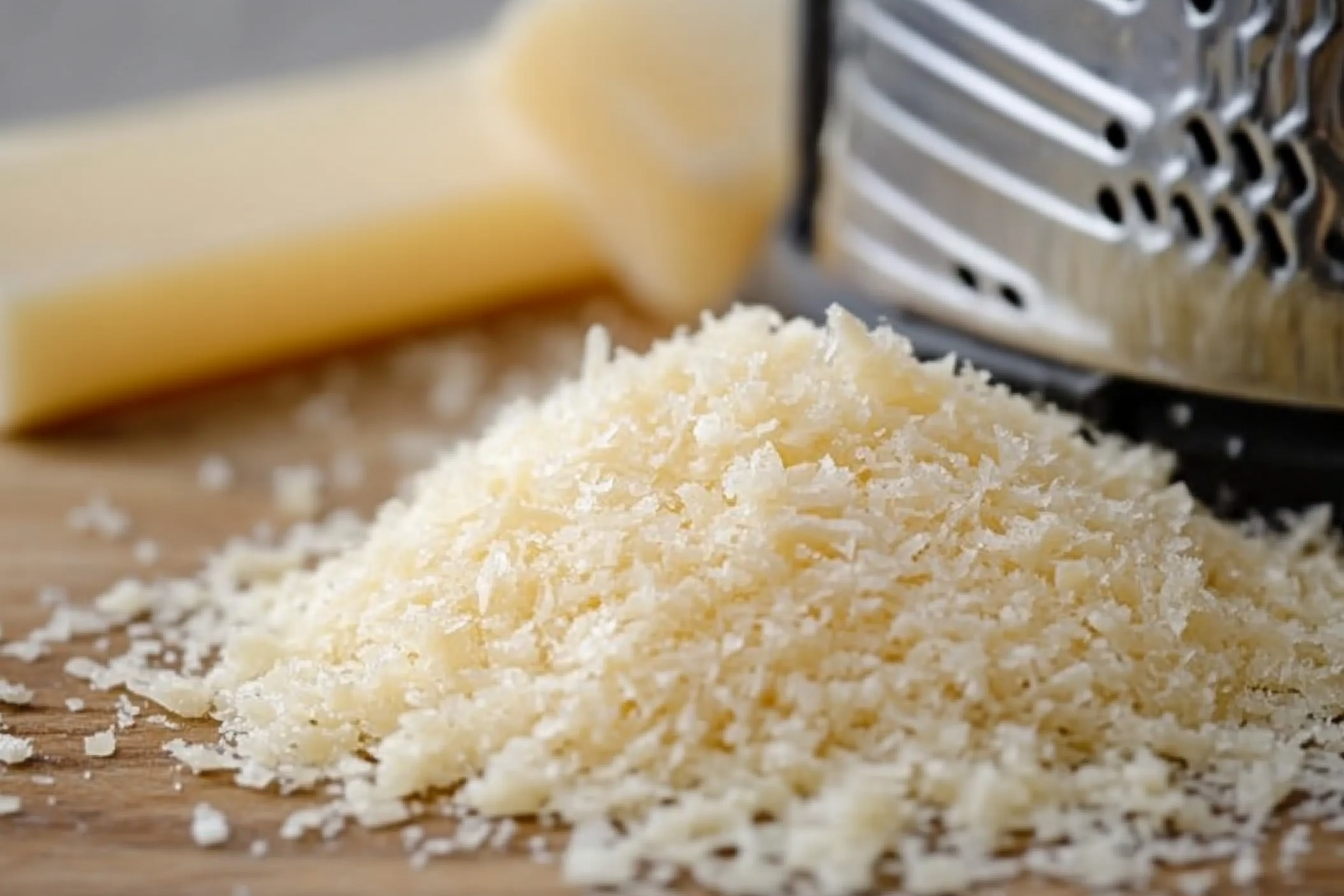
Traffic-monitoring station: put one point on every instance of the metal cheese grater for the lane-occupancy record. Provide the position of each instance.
(1131, 206)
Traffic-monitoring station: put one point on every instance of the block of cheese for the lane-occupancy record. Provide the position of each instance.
(586, 138)
(668, 123)
(171, 244)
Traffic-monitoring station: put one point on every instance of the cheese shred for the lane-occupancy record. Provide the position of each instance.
(778, 601)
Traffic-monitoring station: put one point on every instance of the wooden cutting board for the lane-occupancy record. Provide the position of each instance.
(120, 825)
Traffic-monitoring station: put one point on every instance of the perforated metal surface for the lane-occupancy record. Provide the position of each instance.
(1150, 187)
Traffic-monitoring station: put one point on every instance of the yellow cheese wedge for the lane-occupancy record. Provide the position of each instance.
(167, 245)
(641, 138)
(668, 123)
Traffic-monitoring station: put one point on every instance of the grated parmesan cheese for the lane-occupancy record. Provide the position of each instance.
(101, 745)
(209, 826)
(127, 712)
(99, 517)
(15, 694)
(324, 412)
(74, 704)
(215, 474)
(25, 651)
(15, 750)
(1245, 868)
(200, 759)
(347, 471)
(10, 805)
(146, 552)
(782, 601)
(298, 491)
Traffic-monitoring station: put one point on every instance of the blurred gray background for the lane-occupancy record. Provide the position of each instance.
(59, 57)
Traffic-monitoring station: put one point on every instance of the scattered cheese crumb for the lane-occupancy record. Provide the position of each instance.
(200, 759)
(126, 712)
(10, 805)
(44, 780)
(539, 850)
(777, 570)
(15, 694)
(15, 750)
(412, 836)
(258, 848)
(83, 668)
(324, 412)
(52, 596)
(74, 704)
(299, 822)
(102, 744)
(146, 552)
(458, 382)
(347, 471)
(26, 651)
(298, 491)
(1295, 844)
(209, 826)
(1196, 883)
(1245, 868)
(215, 474)
(98, 516)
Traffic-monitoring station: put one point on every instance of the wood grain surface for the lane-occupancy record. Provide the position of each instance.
(120, 825)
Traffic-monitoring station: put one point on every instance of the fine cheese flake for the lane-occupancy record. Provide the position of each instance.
(15, 750)
(15, 694)
(215, 473)
(101, 744)
(10, 805)
(209, 826)
(777, 600)
(298, 490)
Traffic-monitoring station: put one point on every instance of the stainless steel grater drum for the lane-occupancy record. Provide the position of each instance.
(1132, 206)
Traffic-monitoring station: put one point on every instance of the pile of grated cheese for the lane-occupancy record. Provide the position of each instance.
(776, 602)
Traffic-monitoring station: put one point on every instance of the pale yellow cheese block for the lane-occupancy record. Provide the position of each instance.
(667, 123)
(645, 139)
(150, 250)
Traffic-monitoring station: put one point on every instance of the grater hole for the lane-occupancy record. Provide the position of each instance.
(967, 278)
(1191, 225)
(1147, 203)
(1276, 251)
(1293, 174)
(1011, 295)
(1250, 164)
(1202, 7)
(1117, 136)
(1334, 245)
(1206, 148)
(1230, 232)
(1109, 204)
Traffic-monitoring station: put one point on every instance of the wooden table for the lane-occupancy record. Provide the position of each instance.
(125, 829)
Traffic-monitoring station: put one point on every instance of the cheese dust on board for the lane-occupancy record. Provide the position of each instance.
(775, 602)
